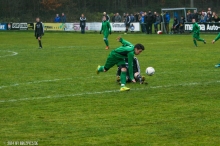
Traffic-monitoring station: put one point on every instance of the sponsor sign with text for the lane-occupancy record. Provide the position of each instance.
(204, 27)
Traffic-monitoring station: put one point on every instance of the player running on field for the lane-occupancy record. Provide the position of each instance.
(216, 39)
(136, 72)
(106, 29)
(39, 31)
(196, 32)
(117, 57)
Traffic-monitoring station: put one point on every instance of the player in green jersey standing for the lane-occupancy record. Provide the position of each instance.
(217, 38)
(196, 32)
(106, 29)
(117, 57)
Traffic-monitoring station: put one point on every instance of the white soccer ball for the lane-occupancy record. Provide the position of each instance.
(150, 71)
(159, 32)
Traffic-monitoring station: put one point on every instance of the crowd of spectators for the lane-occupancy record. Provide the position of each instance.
(203, 16)
(150, 19)
(59, 19)
(146, 19)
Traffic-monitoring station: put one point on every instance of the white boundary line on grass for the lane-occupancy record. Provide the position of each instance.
(45, 81)
(103, 92)
(13, 53)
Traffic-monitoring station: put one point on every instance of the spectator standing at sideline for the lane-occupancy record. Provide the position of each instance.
(157, 21)
(57, 18)
(142, 21)
(189, 16)
(216, 18)
(167, 21)
(209, 17)
(106, 16)
(137, 17)
(213, 16)
(203, 17)
(127, 22)
(195, 15)
(209, 11)
(113, 18)
(63, 18)
(132, 18)
(182, 22)
(83, 23)
(149, 22)
(175, 27)
(117, 18)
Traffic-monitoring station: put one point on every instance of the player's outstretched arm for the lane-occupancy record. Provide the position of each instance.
(124, 42)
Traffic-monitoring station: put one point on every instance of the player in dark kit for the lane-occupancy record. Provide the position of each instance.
(39, 31)
(136, 71)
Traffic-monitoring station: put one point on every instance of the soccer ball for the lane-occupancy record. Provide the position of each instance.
(150, 71)
(159, 32)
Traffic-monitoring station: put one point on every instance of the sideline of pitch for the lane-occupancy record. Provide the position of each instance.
(107, 91)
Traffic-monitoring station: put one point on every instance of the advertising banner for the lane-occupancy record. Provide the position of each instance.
(30, 26)
(3, 26)
(95, 26)
(121, 26)
(204, 27)
(74, 27)
(53, 26)
(17, 26)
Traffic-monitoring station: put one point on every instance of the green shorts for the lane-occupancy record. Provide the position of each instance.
(106, 35)
(196, 36)
(114, 60)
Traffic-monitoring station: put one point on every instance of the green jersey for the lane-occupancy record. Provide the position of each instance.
(106, 27)
(126, 51)
(196, 28)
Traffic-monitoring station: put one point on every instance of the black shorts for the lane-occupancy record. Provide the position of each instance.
(127, 24)
(38, 35)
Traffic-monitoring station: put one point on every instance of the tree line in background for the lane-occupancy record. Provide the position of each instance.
(28, 10)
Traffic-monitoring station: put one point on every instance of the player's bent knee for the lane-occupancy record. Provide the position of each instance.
(136, 74)
(124, 69)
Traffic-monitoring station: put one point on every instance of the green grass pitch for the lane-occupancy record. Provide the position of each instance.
(53, 95)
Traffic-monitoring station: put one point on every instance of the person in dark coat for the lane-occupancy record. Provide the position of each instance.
(82, 23)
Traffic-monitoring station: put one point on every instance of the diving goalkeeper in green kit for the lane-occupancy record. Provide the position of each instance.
(117, 57)
(196, 32)
(106, 29)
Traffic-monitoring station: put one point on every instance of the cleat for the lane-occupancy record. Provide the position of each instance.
(97, 70)
(142, 80)
(40, 47)
(213, 41)
(204, 42)
(106, 48)
(217, 65)
(124, 89)
(118, 79)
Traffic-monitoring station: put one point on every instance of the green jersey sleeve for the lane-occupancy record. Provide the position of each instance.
(101, 27)
(125, 43)
(109, 26)
(130, 65)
